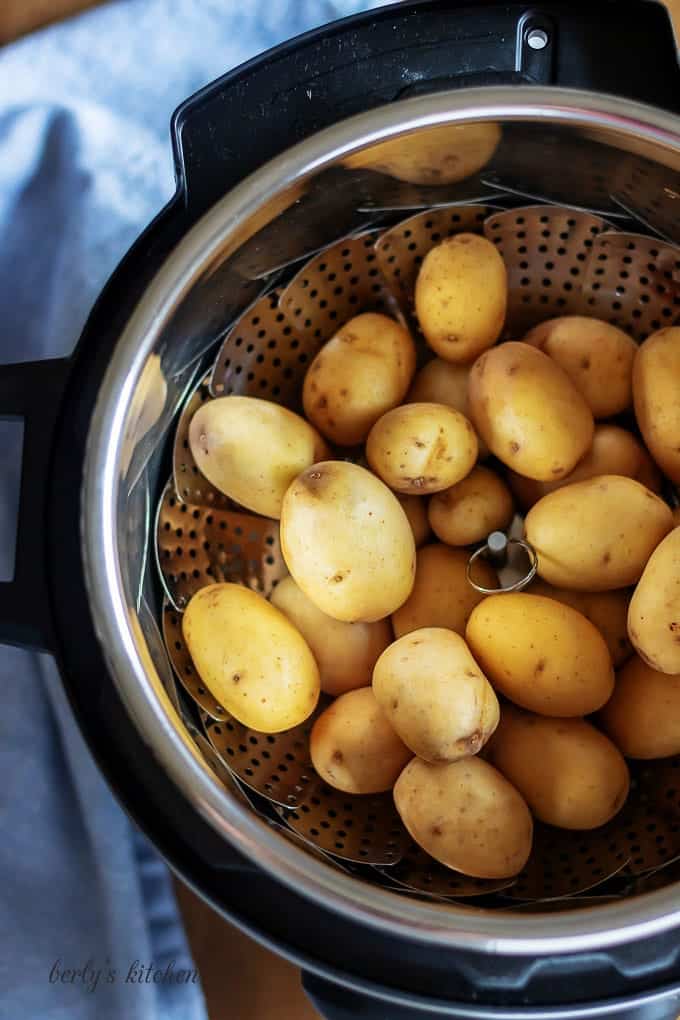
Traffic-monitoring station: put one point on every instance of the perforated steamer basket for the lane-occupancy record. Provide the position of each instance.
(185, 314)
(603, 172)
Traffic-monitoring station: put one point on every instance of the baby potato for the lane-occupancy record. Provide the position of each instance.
(415, 509)
(435, 695)
(528, 412)
(354, 748)
(598, 534)
(421, 448)
(597, 357)
(461, 295)
(347, 542)
(361, 372)
(643, 714)
(441, 382)
(251, 449)
(466, 815)
(614, 452)
(656, 384)
(569, 773)
(444, 154)
(250, 657)
(442, 596)
(444, 382)
(470, 510)
(606, 610)
(541, 654)
(345, 652)
(654, 613)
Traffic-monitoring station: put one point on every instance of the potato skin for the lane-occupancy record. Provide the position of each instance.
(415, 508)
(642, 716)
(444, 154)
(359, 374)
(252, 449)
(461, 296)
(435, 695)
(656, 383)
(442, 595)
(654, 612)
(444, 382)
(598, 534)
(569, 773)
(421, 448)
(470, 510)
(528, 412)
(441, 382)
(354, 748)
(597, 357)
(606, 610)
(250, 657)
(345, 652)
(347, 542)
(541, 654)
(615, 451)
(466, 815)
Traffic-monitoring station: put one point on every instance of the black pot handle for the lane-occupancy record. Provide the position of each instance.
(335, 1002)
(258, 110)
(31, 392)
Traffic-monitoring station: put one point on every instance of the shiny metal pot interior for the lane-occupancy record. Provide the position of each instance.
(605, 156)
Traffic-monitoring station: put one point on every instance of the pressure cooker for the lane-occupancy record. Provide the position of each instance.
(274, 166)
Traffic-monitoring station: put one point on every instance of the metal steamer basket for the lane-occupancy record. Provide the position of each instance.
(580, 198)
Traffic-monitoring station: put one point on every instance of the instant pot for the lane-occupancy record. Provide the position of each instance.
(274, 163)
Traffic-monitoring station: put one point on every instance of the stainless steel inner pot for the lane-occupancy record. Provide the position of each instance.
(607, 156)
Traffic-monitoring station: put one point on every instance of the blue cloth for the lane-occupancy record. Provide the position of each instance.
(85, 162)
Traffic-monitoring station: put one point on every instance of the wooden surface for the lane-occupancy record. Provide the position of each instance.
(241, 980)
(20, 16)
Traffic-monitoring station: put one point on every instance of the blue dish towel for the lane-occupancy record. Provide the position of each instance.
(85, 904)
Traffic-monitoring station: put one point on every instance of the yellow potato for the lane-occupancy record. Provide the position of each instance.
(442, 596)
(345, 652)
(354, 748)
(606, 610)
(444, 382)
(361, 372)
(461, 296)
(614, 452)
(252, 449)
(347, 542)
(569, 773)
(435, 695)
(470, 510)
(654, 613)
(421, 448)
(443, 154)
(250, 657)
(415, 509)
(656, 384)
(466, 815)
(441, 382)
(541, 654)
(528, 412)
(597, 357)
(643, 714)
(598, 534)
